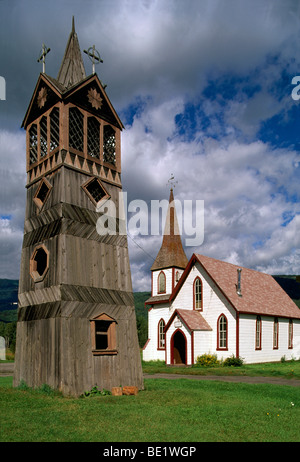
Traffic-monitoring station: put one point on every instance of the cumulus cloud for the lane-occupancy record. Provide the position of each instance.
(195, 83)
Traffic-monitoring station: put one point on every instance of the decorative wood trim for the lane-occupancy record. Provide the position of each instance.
(218, 334)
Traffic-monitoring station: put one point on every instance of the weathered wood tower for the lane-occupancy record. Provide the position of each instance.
(76, 319)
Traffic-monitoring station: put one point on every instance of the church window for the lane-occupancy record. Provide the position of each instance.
(39, 263)
(42, 193)
(290, 333)
(33, 151)
(275, 334)
(93, 137)
(95, 190)
(258, 333)
(197, 294)
(109, 145)
(54, 128)
(161, 335)
(177, 276)
(161, 283)
(222, 333)
(43, 136)
(75, 129)
(103, 329)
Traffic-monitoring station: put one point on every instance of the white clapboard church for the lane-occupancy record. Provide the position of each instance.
(208, 306)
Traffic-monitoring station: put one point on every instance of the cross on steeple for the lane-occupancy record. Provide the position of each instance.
(172, 182)
(94, 56)
(44, 51)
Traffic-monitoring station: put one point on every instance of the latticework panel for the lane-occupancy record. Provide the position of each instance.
(95, 190)
(33, 150)
(109, 145)
(54, 128)
(93, 137)
(75, 129)
(43, 136)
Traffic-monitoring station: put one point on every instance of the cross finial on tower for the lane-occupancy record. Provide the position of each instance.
(172, 182)
(44, 51)
(94, 56)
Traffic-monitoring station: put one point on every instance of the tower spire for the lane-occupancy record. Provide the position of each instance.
(171, 253)
(72, 68)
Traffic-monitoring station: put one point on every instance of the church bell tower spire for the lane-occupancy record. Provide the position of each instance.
(76, 317)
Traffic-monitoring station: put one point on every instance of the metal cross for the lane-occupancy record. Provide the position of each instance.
(94, 56)
(172, 182)
(44, 51)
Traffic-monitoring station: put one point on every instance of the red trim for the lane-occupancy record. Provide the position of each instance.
(147, 341)
(194, 294)
(192, 347)
(237, 340)
(152, 283)
(218, 334)
(172, 345)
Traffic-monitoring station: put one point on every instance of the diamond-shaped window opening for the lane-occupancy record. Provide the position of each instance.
(33, 150)
(75, 129)
(43, 136)
(42, 193)
(109, 145)
(39, 263)
(93, 137)
(54, 128)
(95, 190)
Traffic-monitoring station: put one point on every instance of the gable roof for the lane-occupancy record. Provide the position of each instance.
(171, 253)
(261, 294)
(191, 318)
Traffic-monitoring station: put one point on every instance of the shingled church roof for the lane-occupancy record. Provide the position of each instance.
(171, 253)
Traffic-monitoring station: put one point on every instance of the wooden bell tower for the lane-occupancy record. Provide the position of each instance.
(76, 318)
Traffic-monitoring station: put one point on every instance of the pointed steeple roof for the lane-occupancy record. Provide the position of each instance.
(171, 253)
(72, 69)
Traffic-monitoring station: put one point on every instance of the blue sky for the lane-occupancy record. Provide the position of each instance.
(203, 88)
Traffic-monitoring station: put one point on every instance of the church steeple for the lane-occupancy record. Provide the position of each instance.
(72, 69)
(171, 253)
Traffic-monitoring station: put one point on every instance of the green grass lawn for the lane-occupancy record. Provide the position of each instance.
(179, 410)
(285, 369)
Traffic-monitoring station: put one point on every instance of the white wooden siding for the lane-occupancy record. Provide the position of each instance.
(247, 328)
(151, 351)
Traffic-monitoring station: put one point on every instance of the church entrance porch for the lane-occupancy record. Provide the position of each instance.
(178, 348)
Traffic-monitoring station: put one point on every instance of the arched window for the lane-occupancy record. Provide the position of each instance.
(258, 333)
(222, 333)
(197, 294)
(290, 333)
(275, 334)
(161, 335)
(161, 283)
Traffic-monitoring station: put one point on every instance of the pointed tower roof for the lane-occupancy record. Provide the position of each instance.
(72, 69)
(171, 253)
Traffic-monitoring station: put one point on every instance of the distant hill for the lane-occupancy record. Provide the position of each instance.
(291, 284)
(8, 299)
(9, 296)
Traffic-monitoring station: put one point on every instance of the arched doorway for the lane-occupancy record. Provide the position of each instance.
(178, 348)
